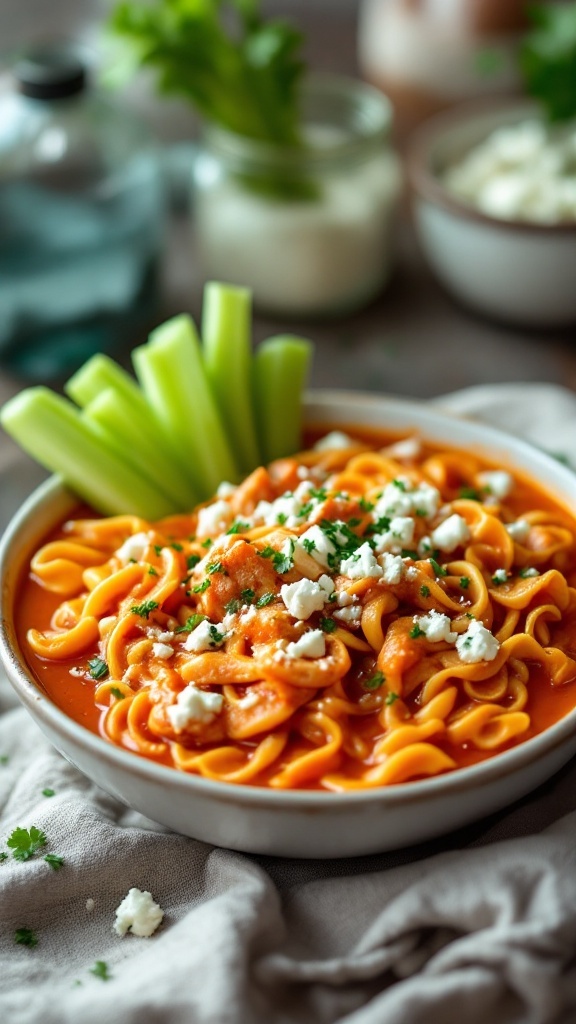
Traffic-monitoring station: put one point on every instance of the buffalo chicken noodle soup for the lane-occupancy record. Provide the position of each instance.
(369, 612)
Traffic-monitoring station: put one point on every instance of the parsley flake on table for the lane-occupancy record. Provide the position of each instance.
(54, 860)
(101, 970)
(48, 792)
(97, 668)
(24, 843)
(4, 759)
(25, 937)
(3, 856)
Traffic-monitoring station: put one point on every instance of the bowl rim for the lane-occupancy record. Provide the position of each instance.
(425, 183)
(461, 780)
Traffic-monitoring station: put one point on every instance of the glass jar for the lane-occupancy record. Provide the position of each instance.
(429, 54)
(81, 213)
(308, 230)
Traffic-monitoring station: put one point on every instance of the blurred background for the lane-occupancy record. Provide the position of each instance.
(411, 336)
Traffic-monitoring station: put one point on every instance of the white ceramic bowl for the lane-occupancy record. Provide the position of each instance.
(512, 271)
(296, 824)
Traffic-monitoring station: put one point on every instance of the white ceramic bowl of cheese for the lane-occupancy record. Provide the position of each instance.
(516, 271)
(297, 823)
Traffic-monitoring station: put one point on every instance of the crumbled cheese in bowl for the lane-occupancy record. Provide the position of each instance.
(523, 171)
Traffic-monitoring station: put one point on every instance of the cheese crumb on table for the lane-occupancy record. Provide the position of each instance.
(138, 914)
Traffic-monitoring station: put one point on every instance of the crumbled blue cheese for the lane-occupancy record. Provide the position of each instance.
(361, 563)
(350, 615)
(450, 534)
(133, 547)
(497, 482)
(315, 543)
(162, 650)
(214, 518)
(408, 448)
(225, 490)
(206, 636)
(522, 171)
(335, 439)
(285, 510)
(519, 530)
(303, 598)
(393, 568)
(138, 913)
(194, 706)
(310, 645)
(529, 571)
(436, 627)
(402, 498)
(500, 576)
(477, 644)
(399, 535)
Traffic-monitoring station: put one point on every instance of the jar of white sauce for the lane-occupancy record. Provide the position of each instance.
(307, 229)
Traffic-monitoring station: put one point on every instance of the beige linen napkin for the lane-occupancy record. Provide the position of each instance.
(478, 927)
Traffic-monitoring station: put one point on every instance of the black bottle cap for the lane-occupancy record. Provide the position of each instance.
(50, 73)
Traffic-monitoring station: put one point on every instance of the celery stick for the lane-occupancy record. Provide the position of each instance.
(171, 373)
(53, 431)
(101, 372)
(113, 415)
(226, 318)
(281, 367)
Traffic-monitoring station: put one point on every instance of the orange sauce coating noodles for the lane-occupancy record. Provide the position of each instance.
(364, 614)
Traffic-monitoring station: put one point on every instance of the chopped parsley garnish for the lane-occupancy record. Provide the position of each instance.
(380, 525)
(424, 590)
(375, 681)
(327, 625)
(409, 553)
(54, 860)
(464, 582)
(207, 543)
(399, 484)
(320, 494)
(191, 622)
(470, 493)
(144, 609)
(238, 527)
(152, 571)
(354, 522)
(265, 599)
(48, 792)
(176, 545)
(232, 607)
(469, 615)
(215, 636)
(267, 552)
(527, 572)
(284, 561)
(24, 843)
(192, 561)
(438, 569)
(365, 505)
(3, 856)
(158, 548)
(25, 937)
(214, 567)
(248, 595)
(498, 580)
(390, 698)
(201, 586)
(117, 693)
(101, 970)
(415, 632)
(281, 518)
(98, 668)
(309, 545)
